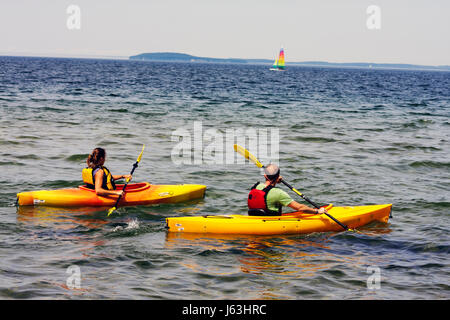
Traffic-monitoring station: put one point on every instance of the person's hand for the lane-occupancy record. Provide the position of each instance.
(127, 177)
(279, 179)
(322, 211)
(120, 192)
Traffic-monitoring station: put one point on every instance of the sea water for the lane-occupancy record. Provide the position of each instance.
(345, 136)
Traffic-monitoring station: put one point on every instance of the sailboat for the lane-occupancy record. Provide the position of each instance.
(278, 65)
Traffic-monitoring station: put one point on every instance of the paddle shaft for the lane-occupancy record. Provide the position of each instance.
(300, 194)
(135, 165)
(313, 203)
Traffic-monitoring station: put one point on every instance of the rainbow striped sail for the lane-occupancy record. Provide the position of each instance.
(279, 62)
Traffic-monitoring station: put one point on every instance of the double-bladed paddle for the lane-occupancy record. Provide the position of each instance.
(135, 165)
(249, 156)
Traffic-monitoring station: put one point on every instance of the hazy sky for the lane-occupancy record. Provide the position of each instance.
(412, 31)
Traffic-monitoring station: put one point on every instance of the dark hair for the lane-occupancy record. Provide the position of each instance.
(94, 158)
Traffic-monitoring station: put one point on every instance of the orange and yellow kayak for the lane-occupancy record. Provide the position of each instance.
(136, 194)
(292, 223)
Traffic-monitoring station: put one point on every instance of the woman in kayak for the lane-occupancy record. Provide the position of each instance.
(98, 177)
(266, 199)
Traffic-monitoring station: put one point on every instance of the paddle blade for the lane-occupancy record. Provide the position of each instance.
(247, 155)
(111, 210)
(140, 155)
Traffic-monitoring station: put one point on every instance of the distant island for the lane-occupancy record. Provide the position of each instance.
(182, 57)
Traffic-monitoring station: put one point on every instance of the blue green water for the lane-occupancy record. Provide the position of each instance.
(347, 136)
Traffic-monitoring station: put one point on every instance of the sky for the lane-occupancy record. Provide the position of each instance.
(410, 31)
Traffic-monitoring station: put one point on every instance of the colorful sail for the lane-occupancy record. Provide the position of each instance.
(275, 64)
(280, 64)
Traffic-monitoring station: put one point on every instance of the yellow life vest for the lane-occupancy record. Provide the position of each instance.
(89, 179)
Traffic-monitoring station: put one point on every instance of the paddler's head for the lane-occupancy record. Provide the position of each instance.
(272, 173)
(96, 158)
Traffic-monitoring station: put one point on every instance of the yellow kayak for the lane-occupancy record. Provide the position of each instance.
(292, 223)
(142, 193)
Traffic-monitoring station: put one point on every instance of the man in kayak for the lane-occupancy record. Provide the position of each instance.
(98, 177)
(265, 199)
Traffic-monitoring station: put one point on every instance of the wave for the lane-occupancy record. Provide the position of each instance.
(9, 142)
(419, 123)
(77, 157)
(375, 107)
(121, 110)
(53, 109)
(371, 129)
(61, 184)
(11, 163)
(430, 164)
(28, 137)
(7, 99)
(417, 104)
(344, 111)
(407, 146)
(253, 105)
(300, 126)
(313, 139)
(379, 243)
(150, 114)
(28, 157)
(432, 205)
(136, 103)
(124, 135)
(429, 114)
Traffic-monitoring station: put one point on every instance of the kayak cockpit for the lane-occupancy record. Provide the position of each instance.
(132, 187)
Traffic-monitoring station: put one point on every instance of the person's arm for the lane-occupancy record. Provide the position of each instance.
(98, 186)
(123, 176)
(305, 209)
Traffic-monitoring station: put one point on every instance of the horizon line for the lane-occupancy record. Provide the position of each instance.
(120, 57)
